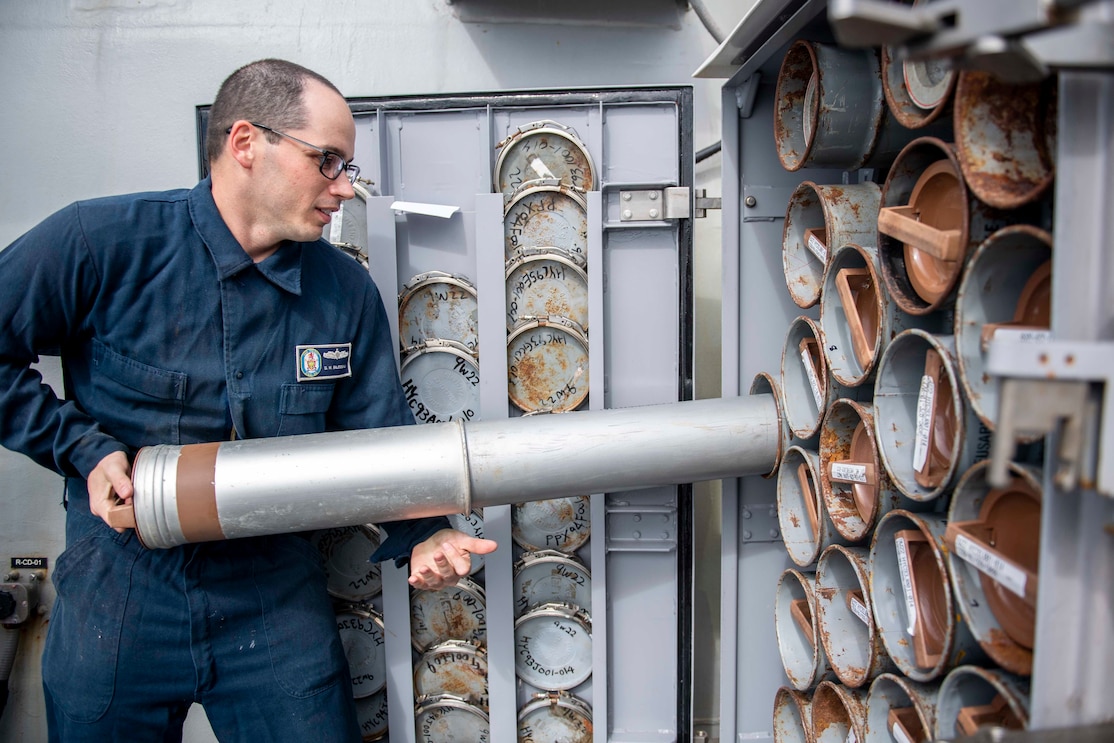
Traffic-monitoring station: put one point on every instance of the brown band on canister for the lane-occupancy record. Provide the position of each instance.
(197, 494)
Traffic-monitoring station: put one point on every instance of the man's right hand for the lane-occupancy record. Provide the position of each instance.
(109, 483)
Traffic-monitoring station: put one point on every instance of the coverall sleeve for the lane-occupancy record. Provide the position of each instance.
(50, 282)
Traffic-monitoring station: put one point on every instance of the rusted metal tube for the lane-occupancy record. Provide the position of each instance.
(204, 492)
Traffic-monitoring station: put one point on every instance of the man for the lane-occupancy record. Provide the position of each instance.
(179, 317)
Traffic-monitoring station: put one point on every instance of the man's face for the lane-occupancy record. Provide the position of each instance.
(296, 199)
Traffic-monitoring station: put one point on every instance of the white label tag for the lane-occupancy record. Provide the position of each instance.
(819, 249)
(899, 734)
(845, 472)
(906, 584)
(810, 372)
(1023, 335)
(925, 401)
(858, 608)
(540, 168)
(985, 561)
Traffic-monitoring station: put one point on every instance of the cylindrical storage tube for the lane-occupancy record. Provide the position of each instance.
(441, 381)
(900, 711)
(547, 365)
(556, 716)
(546, 281)
(830, 111)
(562, 524)
(806, 528)
(858, 317)
(553, 647)
(765, 384)
(438, 306)
(204, 492)
(555, 455)
(344, 550)
(927, 225)
(551, 577)
(544, 213)
(818, 221)
(457, 667)
(792, 716)
(911, 595)
(1006, 292)
(838, 713)
(855, 488)
(371, 714)
(1005, 137)
(993, 539)
(928, 434)
(918, 92)
(452, 613)
(807, 387)
(851, 642)
(447, 717)
(361, 633)
(798, 633)
(972, 697)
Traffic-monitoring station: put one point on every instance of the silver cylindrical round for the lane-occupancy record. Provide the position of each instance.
(621, 449)
(291, 484)
(204, 492)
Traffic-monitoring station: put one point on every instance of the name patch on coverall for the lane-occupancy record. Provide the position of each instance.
(329, 361)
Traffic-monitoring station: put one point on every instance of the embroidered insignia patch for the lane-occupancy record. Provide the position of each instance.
(327, 361)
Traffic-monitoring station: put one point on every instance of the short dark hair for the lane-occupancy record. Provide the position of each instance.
(268, 91)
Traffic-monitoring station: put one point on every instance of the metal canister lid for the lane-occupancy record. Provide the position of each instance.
(543, 282)
(553, 647)
(547, 364)
(454, 613)
(456, 667)
(361, 634)
(563, 524)
(543, 149)
(555, 716)
(446, 718)
(371, 714)
(544, 213)
(345, 551)
(549, 576)
(441, 381)
(436, 305)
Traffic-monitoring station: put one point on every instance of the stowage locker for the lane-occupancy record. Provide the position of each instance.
(537, 248)
(912, 196)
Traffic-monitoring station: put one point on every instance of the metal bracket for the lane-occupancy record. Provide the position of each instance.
(1048, 386)
(655, 205)
(1017, 40)
(702, 203)
(19, 597)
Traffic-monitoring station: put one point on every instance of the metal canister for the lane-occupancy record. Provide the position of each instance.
(818, 221)
(555, 716)
(345, 551)
(553, 647)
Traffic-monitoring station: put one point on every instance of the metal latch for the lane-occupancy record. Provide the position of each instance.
(655, 205)
(1050, 386)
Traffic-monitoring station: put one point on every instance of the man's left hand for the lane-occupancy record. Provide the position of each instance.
(444, 558)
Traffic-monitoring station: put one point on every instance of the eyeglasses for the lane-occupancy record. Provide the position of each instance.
(331, 165)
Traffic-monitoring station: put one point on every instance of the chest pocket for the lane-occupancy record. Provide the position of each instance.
(302, 407)
(135, 402)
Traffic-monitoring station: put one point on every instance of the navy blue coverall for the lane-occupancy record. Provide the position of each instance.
(170, 334)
